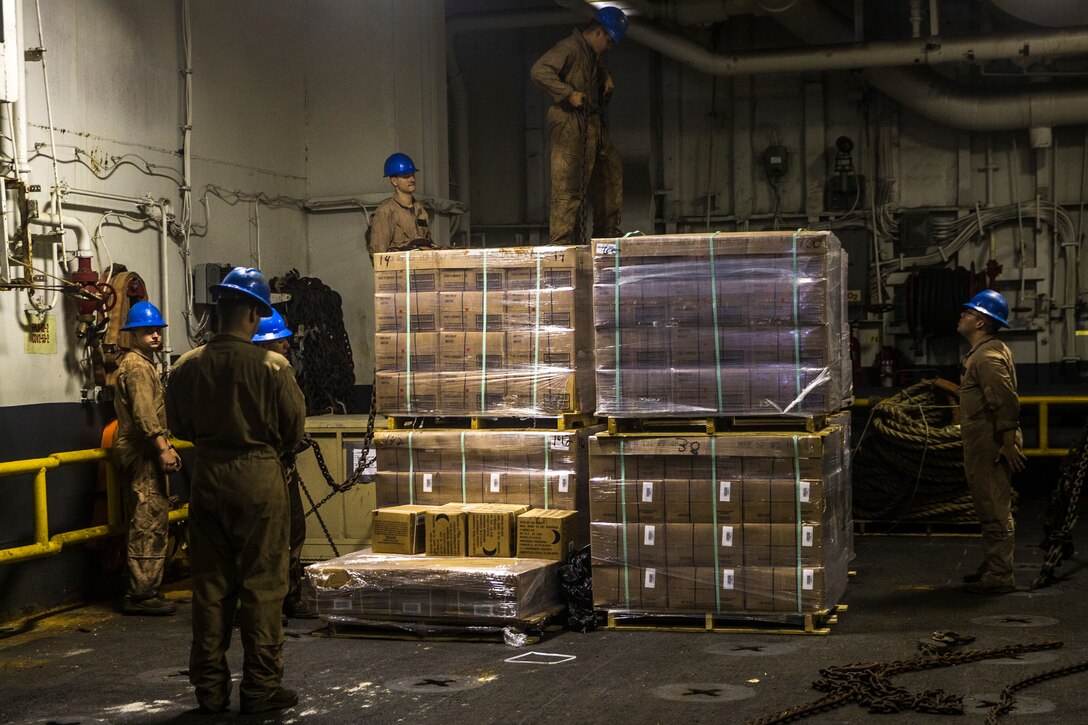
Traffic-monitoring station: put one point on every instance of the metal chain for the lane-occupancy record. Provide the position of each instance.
(868, 684)
(583, 184)
(1008, 701)
(1062, 513)
(356, 476)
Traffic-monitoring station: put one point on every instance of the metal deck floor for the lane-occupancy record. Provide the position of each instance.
(91, 665)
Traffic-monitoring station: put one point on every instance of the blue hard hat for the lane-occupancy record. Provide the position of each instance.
(273, 327)
(143, 314)
(991, 304)
(399, 164)
(248, 281)
(614, 21)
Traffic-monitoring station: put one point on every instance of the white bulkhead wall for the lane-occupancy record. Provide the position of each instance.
(293, 100)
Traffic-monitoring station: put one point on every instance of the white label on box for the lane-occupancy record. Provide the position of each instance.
(648, 537)
(808, 579)
(806, 536)
(411, 608)
(496, 482)
(561, 443)
(647, 492)
(728, 578)
(606, 248)
(428, 482)
(727, 536)
(725, 490)
(564, 482)
(650, 580)
(341, 605)
(805, 491)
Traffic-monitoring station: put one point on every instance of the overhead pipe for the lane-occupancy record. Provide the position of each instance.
(851, 56)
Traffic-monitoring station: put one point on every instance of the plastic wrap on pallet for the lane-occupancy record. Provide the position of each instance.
(541, 469)
(721, 324)
(729, 523)
(484, 332)
(364, 587)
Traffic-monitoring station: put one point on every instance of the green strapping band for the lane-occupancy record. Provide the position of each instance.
(536, 335)
(717, 333)
(617, 305)
(547, 469)
(411, 471)
(464, 498)
(714, 510)
(797, 504)
(623, 531)
(408, 327)
(483, 361)
(796, 330)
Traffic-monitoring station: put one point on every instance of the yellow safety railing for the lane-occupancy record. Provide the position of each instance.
(1043, 403)
(46, 545)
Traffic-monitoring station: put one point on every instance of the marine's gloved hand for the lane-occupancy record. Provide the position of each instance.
(609, 85)
(1010, 453)
(576, 98)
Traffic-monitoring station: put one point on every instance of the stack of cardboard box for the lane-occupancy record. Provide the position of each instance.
(739, 325)
(494, 332)
(735, 522)
(723, 324)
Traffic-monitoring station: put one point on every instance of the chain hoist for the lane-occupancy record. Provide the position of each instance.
(1062, 512)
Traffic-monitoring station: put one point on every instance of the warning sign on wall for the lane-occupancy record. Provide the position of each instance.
(41, 338)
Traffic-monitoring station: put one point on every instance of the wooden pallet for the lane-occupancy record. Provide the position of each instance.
(814, 623)
(917, 528)
(533, 629)
(567, 421)
(718, 424)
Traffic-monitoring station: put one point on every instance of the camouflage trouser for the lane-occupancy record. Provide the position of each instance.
(238, 524)
(584, 162)
(147, 505)
(991, 490)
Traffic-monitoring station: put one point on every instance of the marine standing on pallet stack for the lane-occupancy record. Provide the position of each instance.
(243, 410)
(583, 157)
(992, 442)
(143, 455)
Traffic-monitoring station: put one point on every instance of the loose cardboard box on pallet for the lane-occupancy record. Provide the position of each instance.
(363, 587)
(492, 529)
(447, 530)
(398, 529)
(548, 534)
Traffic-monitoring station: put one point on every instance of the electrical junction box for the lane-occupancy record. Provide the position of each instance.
(204, 276)
(915, 230)
(775, 160)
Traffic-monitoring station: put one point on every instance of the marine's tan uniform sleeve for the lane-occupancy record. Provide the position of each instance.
(381, 229)
(999, 388)
(142, 392)
(292, 409)
(550, 69)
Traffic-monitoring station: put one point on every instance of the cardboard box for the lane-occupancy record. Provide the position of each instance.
(547, 534)
(472, 351)
(406, 312)
(399, 529)
(492, 529)
(414, 271)
(464, 311)
(759, 591)
(447, 531)
(719, 589)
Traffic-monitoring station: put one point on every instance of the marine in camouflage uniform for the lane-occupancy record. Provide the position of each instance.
(241, 407)
(584, 161)
(143, 456)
